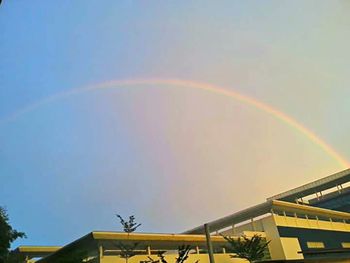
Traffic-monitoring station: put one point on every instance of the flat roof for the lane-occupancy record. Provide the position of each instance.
(36, 251)
(151, 237)
(109, 242)
(313, 187)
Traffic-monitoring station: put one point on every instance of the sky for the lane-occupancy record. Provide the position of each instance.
(72, 155)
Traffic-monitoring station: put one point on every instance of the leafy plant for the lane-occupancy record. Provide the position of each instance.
(15, 257)
(7, 235)
(251, 249)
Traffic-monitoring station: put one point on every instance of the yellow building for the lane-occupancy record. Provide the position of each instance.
(310, 223)
(106, 247)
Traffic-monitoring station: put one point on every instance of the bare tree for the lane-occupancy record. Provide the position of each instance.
(128, 250)
(182, 251)
(130, 225)
(161, 258)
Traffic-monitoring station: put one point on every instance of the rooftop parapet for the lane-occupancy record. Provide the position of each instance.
(317, 186)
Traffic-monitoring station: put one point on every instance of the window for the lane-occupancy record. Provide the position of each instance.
(315, 244)
(345, 244)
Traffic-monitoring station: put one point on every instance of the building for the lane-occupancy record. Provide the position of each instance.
(310, 223)
(107, 247)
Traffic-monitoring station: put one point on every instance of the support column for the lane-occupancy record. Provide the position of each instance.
(339, 189)
(318, 198)
(209, 244)
(253, 224)
(100, 252)
(317, 221)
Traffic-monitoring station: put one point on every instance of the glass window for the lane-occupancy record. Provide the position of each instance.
(345, 244)
(314, 244)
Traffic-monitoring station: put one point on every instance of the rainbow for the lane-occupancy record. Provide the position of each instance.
(200, 86)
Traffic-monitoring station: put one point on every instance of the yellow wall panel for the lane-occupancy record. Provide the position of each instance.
(291, 248)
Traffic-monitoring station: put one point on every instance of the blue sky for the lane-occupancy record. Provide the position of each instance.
(67, 166)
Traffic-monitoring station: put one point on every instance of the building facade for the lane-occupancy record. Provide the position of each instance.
(310, 223)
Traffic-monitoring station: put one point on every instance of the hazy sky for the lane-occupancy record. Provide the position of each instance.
(175, 157)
